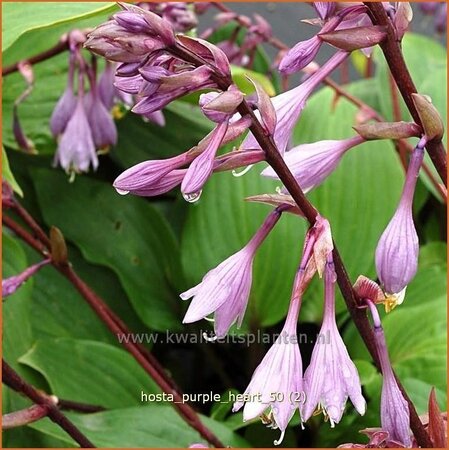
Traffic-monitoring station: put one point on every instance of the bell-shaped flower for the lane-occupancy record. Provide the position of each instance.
(394, 410)
(66, 105)
(398, 247)
(311, 164)
(331, 376)
(104, 131)
(11, 284)
(76, 148)
(225, 289)
(289, 105)
(277, 381)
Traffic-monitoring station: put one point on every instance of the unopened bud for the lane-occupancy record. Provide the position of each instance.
(388, 130)
(355, 38)
(58, 246)
(430, 118)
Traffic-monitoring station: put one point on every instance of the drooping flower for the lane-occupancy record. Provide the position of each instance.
(289, 105)
(331, 376)
(106, 88)
(66, 105)
(104, 131)
(76, 148)
(394, 410)
(277, 381)
(225, 289)
(398, 247)
(11, 284)
(311, 164)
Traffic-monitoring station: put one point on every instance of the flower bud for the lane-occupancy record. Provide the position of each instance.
(388, 130)
(430, 117)
(351, 39)
(219, 107)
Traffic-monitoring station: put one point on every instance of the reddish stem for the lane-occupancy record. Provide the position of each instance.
(11, 378)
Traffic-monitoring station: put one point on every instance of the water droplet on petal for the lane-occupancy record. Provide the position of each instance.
(241, 173)
(121, 191)
(193, 197)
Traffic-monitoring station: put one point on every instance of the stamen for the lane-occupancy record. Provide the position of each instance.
(209, 339)
(281, 438)
(243, 172)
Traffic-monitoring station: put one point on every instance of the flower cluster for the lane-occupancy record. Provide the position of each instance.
(81, 120)
(331, 376)
(157, 66)
(439, 12)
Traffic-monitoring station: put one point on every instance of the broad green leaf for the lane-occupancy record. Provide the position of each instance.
(427, 62)
(60, 311)
(240, 76)
(17, 334)
(221, 223)
(8, 175)
(150, 426)
(36, 110)
(424, 57)
(125, 234)
(21, 17)
(90, 372)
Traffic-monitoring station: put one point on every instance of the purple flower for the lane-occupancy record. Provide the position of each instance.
(289, 105)
(130, 35)
(324, 9)
(76, 148)
(225, 289)
(106, 88)
(11, 284)
(202, 166)
(301, 55)
(66, 105)
(331, 376)
(311, 164)
(104, 132)
(394, 411)
(277, 381)
(160, 87)
(143, 176)
(398, 247)
(429, 7)
(219, 107)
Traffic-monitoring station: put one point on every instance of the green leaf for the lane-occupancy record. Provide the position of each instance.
(20, 17)
(421, 54)
(67, 316)
(151, 426)
(17, 334)
(8, 175)
(221, 223)
(36, 110)
(90, 372)
(427, 62)
(129, 236)
(240, 74)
